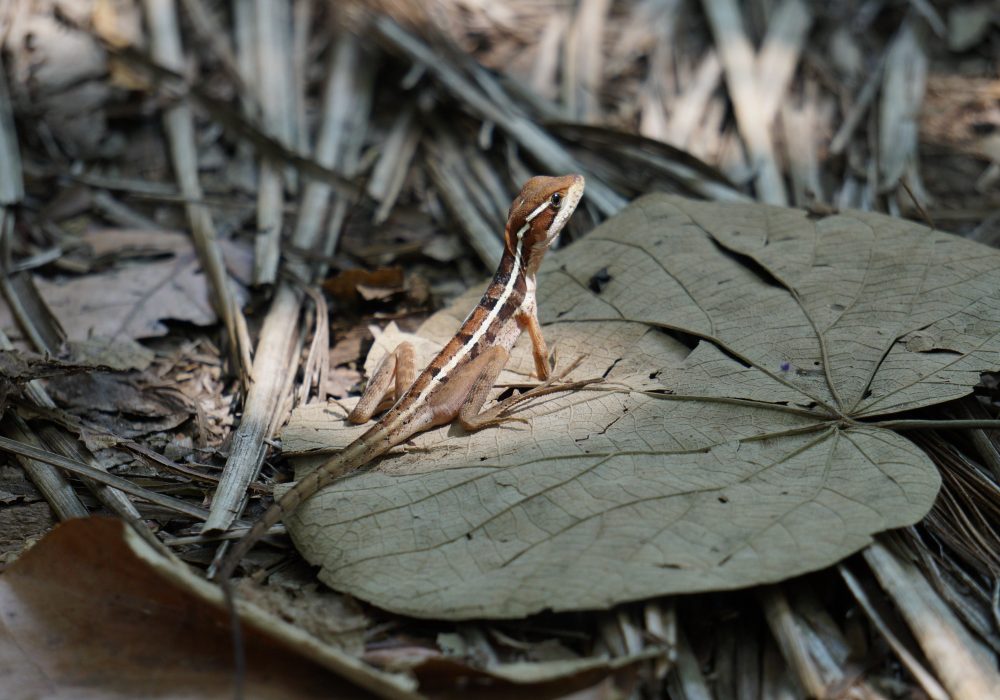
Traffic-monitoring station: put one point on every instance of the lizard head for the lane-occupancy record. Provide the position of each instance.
(538, 214)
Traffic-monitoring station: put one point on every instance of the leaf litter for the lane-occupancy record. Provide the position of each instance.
(754, 356)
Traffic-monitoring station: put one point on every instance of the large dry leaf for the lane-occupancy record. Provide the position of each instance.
(746, 448)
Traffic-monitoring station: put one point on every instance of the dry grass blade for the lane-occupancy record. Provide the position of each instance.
(50, 482)
(960, 662)
(274, 83)
(740, 65)
(11, 182)
(23, 447)
(966, 513)
(448, 168)
(924, 677)
(689, 107)
(902, 95)
(394, 162)
(477, 95)
(794, 646)
(686, 679)
(583, 65)
(179, 125)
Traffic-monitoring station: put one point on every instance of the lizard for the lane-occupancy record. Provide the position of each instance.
(457, 382)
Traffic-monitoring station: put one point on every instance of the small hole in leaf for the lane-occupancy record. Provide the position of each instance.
(723, 499)
(837, 307)
(654, 375)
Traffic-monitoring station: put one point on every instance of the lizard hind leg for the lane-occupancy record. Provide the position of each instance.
(393, 376)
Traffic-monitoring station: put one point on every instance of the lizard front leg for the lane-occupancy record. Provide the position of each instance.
(395, 373)
(528, 321)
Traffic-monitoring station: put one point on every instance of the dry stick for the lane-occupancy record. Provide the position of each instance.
(25, 449)
(924, 677)
(53, 486)
(279, 333)
(899, 111)
(302, 17)
(688, 108)
(955, 655)
(317, 366)
(739, 64)
(121, 214)
(785, 628)
(583, 62)
(210, 33)
(114, 500)
(475, 96)
(686, 675)
(451, 183)
(799, 125)
(179, 124)
(389, 173)
(779, 55)
(273, 21)
(11, 181)
(859, 109)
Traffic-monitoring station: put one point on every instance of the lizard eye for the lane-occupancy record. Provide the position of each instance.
(556, 200)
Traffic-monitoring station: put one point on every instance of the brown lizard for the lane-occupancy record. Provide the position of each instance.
(456, 384)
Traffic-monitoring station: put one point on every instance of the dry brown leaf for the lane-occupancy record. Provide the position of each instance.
(368, 284)
(92, 612)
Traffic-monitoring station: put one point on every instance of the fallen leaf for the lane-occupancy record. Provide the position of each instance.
(368, 284)
(122, 355)
(132, 299)
(757, 354)
(93, 612)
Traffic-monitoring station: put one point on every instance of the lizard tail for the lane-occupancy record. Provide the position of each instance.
(352, 457)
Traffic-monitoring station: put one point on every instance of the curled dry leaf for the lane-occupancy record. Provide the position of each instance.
(756, 352)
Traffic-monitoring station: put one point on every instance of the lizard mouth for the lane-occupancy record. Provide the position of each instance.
(572, 198)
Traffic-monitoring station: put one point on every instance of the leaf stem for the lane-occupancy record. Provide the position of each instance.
(985, 423)
(739, 402)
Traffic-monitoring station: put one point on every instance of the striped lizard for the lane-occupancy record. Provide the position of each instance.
(457, 383)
